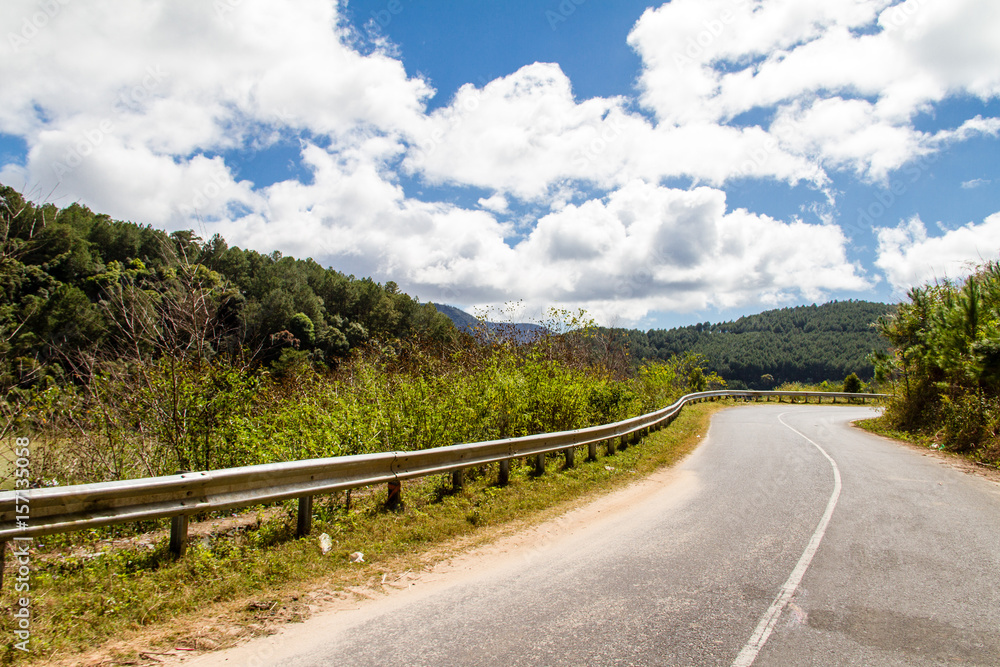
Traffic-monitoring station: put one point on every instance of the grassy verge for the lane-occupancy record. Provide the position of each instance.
(878, 426)
(127, 603)
(981, 456)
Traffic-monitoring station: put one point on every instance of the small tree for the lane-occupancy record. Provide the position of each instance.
(303, 328)
(852, 384)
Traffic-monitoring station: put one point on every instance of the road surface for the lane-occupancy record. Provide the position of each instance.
(787, 538)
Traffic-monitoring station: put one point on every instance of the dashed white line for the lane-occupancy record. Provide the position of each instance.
(770, 617)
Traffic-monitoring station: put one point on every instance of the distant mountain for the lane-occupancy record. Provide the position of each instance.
(463, 321)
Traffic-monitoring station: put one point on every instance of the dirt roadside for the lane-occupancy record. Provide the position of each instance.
(231, 624)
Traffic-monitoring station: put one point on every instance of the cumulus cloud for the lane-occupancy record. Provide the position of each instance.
(909, 257)
(649, 247)
(522, 134)
(526, 135)
(842, 80)
(836, 86)
(496, 203)
(125, 98)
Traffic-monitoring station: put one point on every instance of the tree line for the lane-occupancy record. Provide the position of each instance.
(76, 285)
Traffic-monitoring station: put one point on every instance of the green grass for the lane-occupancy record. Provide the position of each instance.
(981, 455)
(130, 599)
(878, 426)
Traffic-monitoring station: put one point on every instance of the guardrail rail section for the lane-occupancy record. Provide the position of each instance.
(177, 497)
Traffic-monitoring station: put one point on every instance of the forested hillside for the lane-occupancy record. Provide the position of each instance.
(74, 284)
(800, 344)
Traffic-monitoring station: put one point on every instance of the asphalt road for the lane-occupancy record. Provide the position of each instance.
(787, 538)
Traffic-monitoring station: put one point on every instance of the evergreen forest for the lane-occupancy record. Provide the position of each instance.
(77, 287)
(805, 344)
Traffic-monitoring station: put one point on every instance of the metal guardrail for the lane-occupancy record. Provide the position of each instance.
(36, 512)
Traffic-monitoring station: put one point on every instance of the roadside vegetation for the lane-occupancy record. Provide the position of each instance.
(102, 587)
(146, 417)
(944, 366)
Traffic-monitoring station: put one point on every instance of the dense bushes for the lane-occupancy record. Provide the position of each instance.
(945, 363)
(153, 417)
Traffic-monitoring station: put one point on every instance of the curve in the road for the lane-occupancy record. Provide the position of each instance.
(903, 568)
(760, 635)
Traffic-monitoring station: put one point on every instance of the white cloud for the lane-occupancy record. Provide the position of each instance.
(828, 98)
(352, 217)
(643, 248)
(526, 135)
(496, 203)
(842, 80)
(124, 97)
(654, 248)
(522, 134)
(975, 183)
(909, 257)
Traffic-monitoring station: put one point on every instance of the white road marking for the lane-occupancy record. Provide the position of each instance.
(770, 617)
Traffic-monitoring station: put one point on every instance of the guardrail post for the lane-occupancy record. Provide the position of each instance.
(3, 560)
(611, 446)
(394, 499)
(503, 478)
(179, 530)
(457, 480)
(304, 523)
(539, 464)
(178, 535)
(592, 451)
(570, 453)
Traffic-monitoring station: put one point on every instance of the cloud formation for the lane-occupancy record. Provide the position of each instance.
(909, 257)
(132, 108)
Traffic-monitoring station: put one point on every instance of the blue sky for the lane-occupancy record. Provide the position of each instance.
(655, 164)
